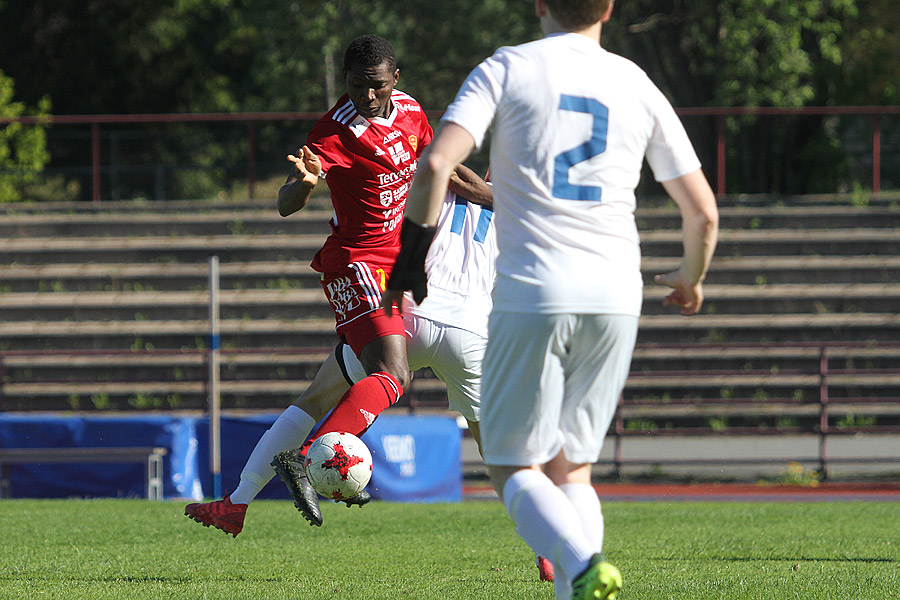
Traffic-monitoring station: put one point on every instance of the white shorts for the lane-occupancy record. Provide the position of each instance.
(552, 382)
(455, 355)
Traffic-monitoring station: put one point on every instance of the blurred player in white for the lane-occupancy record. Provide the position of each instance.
(571, 125)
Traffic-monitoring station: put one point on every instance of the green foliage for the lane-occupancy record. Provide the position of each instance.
(860, 196)
(752, 53)
(23, 147)
(851, 421)
(171, 56)
(796, 474)
(101, 401)
(733, 52)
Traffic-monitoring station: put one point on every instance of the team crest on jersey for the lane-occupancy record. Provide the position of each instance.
(414, 142)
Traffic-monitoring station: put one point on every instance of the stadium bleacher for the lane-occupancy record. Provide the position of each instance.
(104, 306)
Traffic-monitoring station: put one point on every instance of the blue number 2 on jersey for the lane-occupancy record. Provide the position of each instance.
(562, 188)
(459, 217)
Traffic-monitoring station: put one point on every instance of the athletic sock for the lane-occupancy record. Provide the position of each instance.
(287, 432)
(547, 521)
(359, 406)
(587, 505)
(562, 587)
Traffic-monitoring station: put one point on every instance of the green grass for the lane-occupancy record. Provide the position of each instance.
(134, 549)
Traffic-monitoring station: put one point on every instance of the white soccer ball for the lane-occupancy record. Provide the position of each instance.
(339, 465)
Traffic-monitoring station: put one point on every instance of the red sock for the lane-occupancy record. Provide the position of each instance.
(359, 406)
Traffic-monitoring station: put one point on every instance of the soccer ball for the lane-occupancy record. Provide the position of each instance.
(338, 465)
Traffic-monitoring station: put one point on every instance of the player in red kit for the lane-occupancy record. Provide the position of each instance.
(366, 150)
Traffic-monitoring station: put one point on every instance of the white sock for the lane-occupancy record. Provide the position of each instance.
(288, 431)
(587, 505)
(562, 587)
(547, 521)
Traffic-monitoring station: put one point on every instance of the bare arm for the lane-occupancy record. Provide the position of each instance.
(294, 194)
(700, 230)
(465, 183)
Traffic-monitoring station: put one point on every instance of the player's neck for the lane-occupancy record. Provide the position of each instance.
(388, 109)
(550, 26)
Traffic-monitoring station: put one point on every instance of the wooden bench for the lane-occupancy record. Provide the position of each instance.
(152, 456)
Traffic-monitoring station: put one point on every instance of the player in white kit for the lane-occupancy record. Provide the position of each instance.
(571, 125)
(448, 330)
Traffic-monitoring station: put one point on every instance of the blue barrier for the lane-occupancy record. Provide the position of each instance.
(416, 459)
(52, 480)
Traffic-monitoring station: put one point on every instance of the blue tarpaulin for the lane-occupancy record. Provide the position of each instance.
(61, 480)
(416, 459)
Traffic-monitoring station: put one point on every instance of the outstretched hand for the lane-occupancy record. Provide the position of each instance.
(307, 165)
(685, 294)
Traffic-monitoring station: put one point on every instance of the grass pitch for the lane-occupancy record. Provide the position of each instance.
(135, 549)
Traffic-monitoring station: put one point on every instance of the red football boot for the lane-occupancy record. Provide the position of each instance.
(221, 514)
(545, 568)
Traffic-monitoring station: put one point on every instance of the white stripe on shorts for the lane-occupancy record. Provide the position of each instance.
(369, 284)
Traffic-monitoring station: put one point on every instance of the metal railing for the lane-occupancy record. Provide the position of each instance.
(252, 120)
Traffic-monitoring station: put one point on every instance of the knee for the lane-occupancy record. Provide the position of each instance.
(402, 374)
(387, 354)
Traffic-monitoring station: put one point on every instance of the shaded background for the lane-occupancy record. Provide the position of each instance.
(109, 57)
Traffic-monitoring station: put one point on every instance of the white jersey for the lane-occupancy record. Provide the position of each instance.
(572, 124)
(461, 267)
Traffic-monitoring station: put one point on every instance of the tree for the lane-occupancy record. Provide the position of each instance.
(746, 53)
(23, 148)
(148, 56)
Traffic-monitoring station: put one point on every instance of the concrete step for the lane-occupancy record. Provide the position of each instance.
(165, 334)
(270, 377)
(790, 269)
(648, 362)
(152, 305)
(763, 358)
(319, 332)
(146, 249)
(225, 222)
(257, 220)
(291, 274)
(305, 303)
(73, 277)
(787, 298)
(782, 242)
(176, 395)
(780, 217)
(770, 328)
(245, 248)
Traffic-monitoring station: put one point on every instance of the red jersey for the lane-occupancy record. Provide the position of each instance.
(368, 165)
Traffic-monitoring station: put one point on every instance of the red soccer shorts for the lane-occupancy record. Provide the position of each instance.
(355, 298)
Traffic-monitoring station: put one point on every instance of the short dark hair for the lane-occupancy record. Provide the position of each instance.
(574, 14)
(369, 51)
